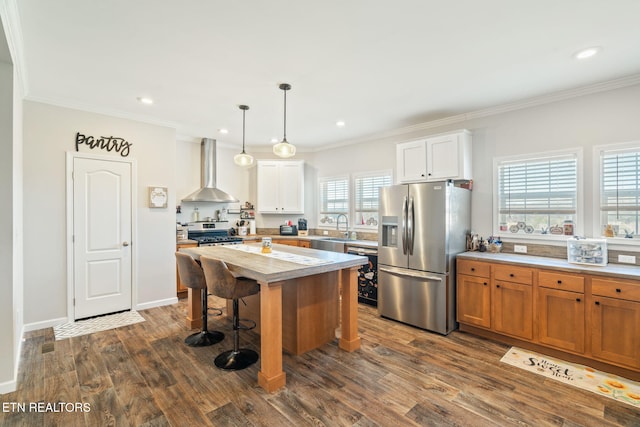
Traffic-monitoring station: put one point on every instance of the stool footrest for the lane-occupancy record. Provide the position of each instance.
(252, 324)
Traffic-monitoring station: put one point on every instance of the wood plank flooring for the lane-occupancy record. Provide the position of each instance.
(144, 375)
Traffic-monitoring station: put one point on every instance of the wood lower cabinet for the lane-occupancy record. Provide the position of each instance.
(181, 290)
(561, 311)
(512, 309)
(293, 242)
(615, 321)
(474, 293)
(584, 316)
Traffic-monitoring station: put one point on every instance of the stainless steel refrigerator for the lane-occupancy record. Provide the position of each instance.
(422, 228)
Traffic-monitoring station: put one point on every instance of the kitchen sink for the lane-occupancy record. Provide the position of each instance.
(332, 244)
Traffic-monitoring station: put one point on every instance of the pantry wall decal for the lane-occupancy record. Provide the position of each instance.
(108, 143)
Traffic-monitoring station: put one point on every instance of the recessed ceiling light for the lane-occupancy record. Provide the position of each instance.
(145, 100)
(587, 53)
(223, 131)
(340, 123)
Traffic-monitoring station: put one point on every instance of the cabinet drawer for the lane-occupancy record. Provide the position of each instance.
(474, 268)
(566, 282)
(508, 273)
(621, 289)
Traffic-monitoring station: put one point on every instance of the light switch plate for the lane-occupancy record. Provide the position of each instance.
(627, 259)
(520, 249)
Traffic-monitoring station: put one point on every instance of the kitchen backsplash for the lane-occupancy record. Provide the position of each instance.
(561, 252)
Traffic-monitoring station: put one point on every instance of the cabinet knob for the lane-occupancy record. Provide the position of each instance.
(485, 283)
(618, 290)
(423, 174)
(473, 269)
(497, 286)
(578, 299)
(559, 282)
(510, 274)
(597, 302)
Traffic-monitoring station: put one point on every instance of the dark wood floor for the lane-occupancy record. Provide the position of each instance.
(144, 375)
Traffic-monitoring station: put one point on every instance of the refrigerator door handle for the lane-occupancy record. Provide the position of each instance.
(410, 273)
(404, 225)
(410, 228)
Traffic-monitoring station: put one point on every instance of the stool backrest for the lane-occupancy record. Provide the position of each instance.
(220, 281)
(190, 272)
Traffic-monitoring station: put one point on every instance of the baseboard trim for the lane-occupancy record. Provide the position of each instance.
(156, 303)
(44, 324)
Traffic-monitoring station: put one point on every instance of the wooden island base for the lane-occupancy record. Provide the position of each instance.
(310, 311)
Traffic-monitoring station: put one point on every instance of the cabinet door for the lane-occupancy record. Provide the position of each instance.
(411, 161)
(615, 331)
(443, 154)
(474, 300)
(561, 319)
(511, 309)
(268, 187)
(181, 290)
(291, 187)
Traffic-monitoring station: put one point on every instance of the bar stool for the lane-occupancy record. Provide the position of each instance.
(224, 284)
(192, 277)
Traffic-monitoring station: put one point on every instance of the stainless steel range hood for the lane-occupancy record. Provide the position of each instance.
(208, 191)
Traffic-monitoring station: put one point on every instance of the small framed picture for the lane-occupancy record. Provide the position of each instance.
(158, 197)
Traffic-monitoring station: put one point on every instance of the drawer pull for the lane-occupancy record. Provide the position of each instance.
(559, 282)
(578, 299)
(473, 269)
(618, 290)
(511, 275)
(597, 302)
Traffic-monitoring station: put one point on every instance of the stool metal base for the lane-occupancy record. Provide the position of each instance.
(204, 338)
(236, 360)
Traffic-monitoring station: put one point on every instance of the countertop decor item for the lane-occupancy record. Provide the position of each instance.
(284, 148)
(243, 159)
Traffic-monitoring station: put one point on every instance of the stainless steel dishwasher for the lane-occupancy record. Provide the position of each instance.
(367, 275)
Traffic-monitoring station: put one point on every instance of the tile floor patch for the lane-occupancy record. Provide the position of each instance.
(97, 324)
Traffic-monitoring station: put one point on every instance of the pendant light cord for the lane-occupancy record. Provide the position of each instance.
(285, 115)
(243, 113)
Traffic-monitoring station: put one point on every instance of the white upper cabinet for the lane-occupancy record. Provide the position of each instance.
(436, 158)
(280, 186)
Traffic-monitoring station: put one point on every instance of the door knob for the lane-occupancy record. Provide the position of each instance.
(125, 243)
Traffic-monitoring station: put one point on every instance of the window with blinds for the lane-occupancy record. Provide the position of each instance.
(620, 192)
(334, 199)
(538, 195)
(366, 198)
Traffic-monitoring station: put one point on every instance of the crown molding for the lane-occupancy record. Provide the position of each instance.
(630, 80)
(13, 31)
(90, 108)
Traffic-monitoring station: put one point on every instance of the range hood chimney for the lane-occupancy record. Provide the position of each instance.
(208, 191)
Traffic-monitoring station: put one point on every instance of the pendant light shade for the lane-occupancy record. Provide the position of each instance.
(243, 159)
(284, 148)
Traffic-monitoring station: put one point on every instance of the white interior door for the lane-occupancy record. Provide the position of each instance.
(102, 219)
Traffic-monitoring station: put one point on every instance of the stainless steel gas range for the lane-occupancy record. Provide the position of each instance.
(206, 234)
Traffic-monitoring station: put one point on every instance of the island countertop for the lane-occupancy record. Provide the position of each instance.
(268, 269)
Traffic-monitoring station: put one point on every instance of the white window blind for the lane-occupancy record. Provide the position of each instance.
(620, 191)
(541, 193)
(334, 199)
(366, 197)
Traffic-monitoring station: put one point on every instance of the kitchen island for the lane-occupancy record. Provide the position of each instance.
(292, 268)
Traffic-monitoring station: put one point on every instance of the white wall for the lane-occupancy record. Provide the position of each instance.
(585, 121)
(11, 279)
(49, 132)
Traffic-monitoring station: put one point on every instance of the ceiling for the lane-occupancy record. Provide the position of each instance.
(377, 65)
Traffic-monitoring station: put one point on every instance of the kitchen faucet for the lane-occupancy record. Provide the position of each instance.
(346, 221)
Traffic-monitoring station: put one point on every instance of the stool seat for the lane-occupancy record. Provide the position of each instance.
(192, 276)
(224, 284)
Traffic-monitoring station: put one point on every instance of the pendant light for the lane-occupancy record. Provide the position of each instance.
(283, 148)
(243, 159)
